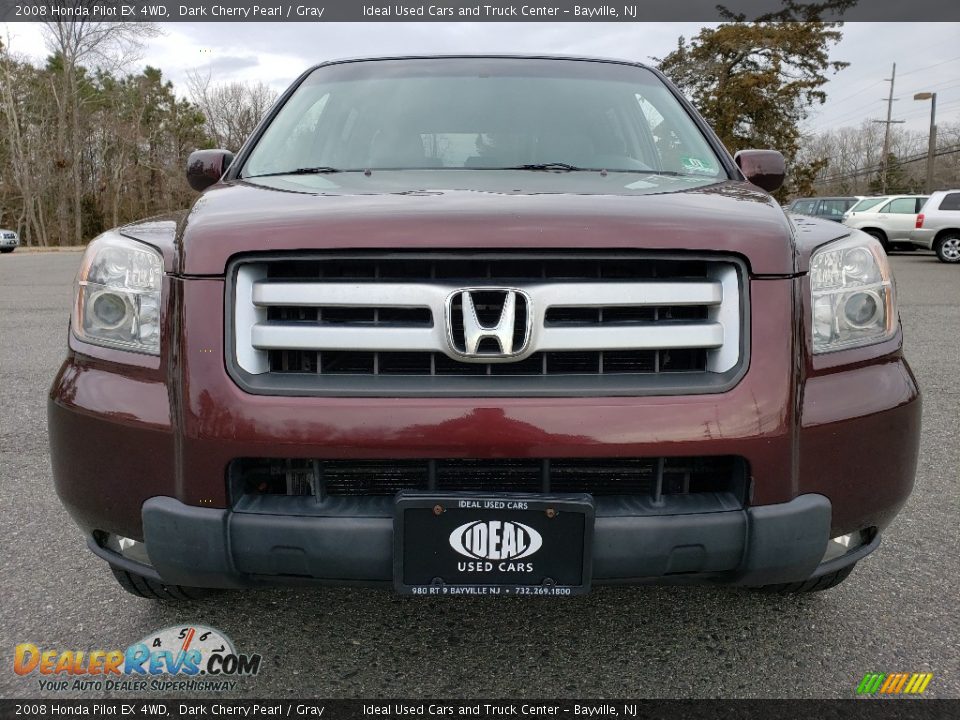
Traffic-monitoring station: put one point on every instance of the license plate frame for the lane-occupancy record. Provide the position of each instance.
(428, 527)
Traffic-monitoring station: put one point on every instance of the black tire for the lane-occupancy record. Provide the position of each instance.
(881, 236)
(948, 248)
(144, 587)
(7, 250)
(824, 582)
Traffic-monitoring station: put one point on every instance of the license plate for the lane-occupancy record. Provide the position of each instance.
(496, 544)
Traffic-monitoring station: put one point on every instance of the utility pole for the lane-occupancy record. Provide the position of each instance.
(932, 143)
(886, 135)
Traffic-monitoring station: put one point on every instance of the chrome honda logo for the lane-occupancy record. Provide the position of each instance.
(495, 540)
(502, 315)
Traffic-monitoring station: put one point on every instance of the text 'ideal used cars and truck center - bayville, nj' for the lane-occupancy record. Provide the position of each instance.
(253, 12)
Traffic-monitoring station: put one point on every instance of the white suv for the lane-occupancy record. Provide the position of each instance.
(938, 225)
(892, 221)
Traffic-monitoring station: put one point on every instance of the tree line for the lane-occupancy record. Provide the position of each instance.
(86, 145)
(854, 156)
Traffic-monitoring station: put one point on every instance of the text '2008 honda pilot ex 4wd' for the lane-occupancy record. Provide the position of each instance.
(489, 325)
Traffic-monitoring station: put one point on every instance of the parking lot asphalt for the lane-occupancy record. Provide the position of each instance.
(898, 612)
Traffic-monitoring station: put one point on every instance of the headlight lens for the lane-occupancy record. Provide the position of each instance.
(852, 295)
(118, 295)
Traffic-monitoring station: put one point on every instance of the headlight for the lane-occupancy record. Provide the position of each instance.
(118, 295)
(852, 295)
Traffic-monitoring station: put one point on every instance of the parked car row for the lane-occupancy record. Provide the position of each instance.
(891, 219)
(897, 221)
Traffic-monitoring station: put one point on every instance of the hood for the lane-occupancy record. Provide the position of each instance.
(552, 211)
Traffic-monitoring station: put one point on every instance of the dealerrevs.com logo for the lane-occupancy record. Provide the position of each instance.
(180, 658)
(497, 542)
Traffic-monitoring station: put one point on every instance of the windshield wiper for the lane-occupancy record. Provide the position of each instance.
(318, 170)
(544, 166)
(566, 167)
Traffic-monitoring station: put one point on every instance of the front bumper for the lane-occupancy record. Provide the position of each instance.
(208, 547)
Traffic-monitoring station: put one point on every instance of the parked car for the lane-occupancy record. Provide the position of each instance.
(529, 330)
(892, 221)
(828, 208)
(9, 241)
(938, 225)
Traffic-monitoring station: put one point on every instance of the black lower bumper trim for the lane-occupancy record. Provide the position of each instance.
(210, 547)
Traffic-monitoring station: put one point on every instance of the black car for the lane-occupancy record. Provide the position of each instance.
(828, 208)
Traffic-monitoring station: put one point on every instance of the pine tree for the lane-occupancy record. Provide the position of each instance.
(754, 82)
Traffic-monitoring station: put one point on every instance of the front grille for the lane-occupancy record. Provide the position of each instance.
(316, 324)
(647, 477)
(339, 362)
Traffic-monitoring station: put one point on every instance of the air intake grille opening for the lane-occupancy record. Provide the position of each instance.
(653, 478)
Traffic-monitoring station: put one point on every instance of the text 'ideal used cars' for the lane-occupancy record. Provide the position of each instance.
(488, 325)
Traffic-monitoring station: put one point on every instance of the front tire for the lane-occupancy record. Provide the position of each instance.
(881, 236)
(7, 250)
(144, 587)
(948, 248)
(818, 584)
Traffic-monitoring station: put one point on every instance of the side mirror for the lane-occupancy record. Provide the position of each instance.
(205, 167)
(764, 168)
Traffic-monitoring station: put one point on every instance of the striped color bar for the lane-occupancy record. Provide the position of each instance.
(894, 683)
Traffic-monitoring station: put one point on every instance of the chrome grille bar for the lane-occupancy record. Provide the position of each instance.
(319, 336)
(674, 336)
(375, 294)
(335, 294)
(298, 336)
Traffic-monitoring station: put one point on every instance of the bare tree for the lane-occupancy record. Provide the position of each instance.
(854, 154)
(21, 145)
(74, 44)
(232, 110)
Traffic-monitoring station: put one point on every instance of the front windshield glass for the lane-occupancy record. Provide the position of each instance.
(867, 203)
(483, 113)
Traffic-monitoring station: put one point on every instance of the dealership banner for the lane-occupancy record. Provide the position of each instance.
(415, 709)
(460, 10)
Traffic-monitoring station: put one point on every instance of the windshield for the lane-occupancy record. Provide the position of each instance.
(867, 203)
(483, 113)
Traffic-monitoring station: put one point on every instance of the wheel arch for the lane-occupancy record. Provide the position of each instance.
(870, 229)
(944, 232)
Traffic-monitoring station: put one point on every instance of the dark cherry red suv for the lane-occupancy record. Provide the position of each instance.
(486, 325)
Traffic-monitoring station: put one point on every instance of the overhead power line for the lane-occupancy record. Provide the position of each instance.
(942, 62)
(867, 171)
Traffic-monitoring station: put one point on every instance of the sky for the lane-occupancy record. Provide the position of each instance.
(927, 55)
